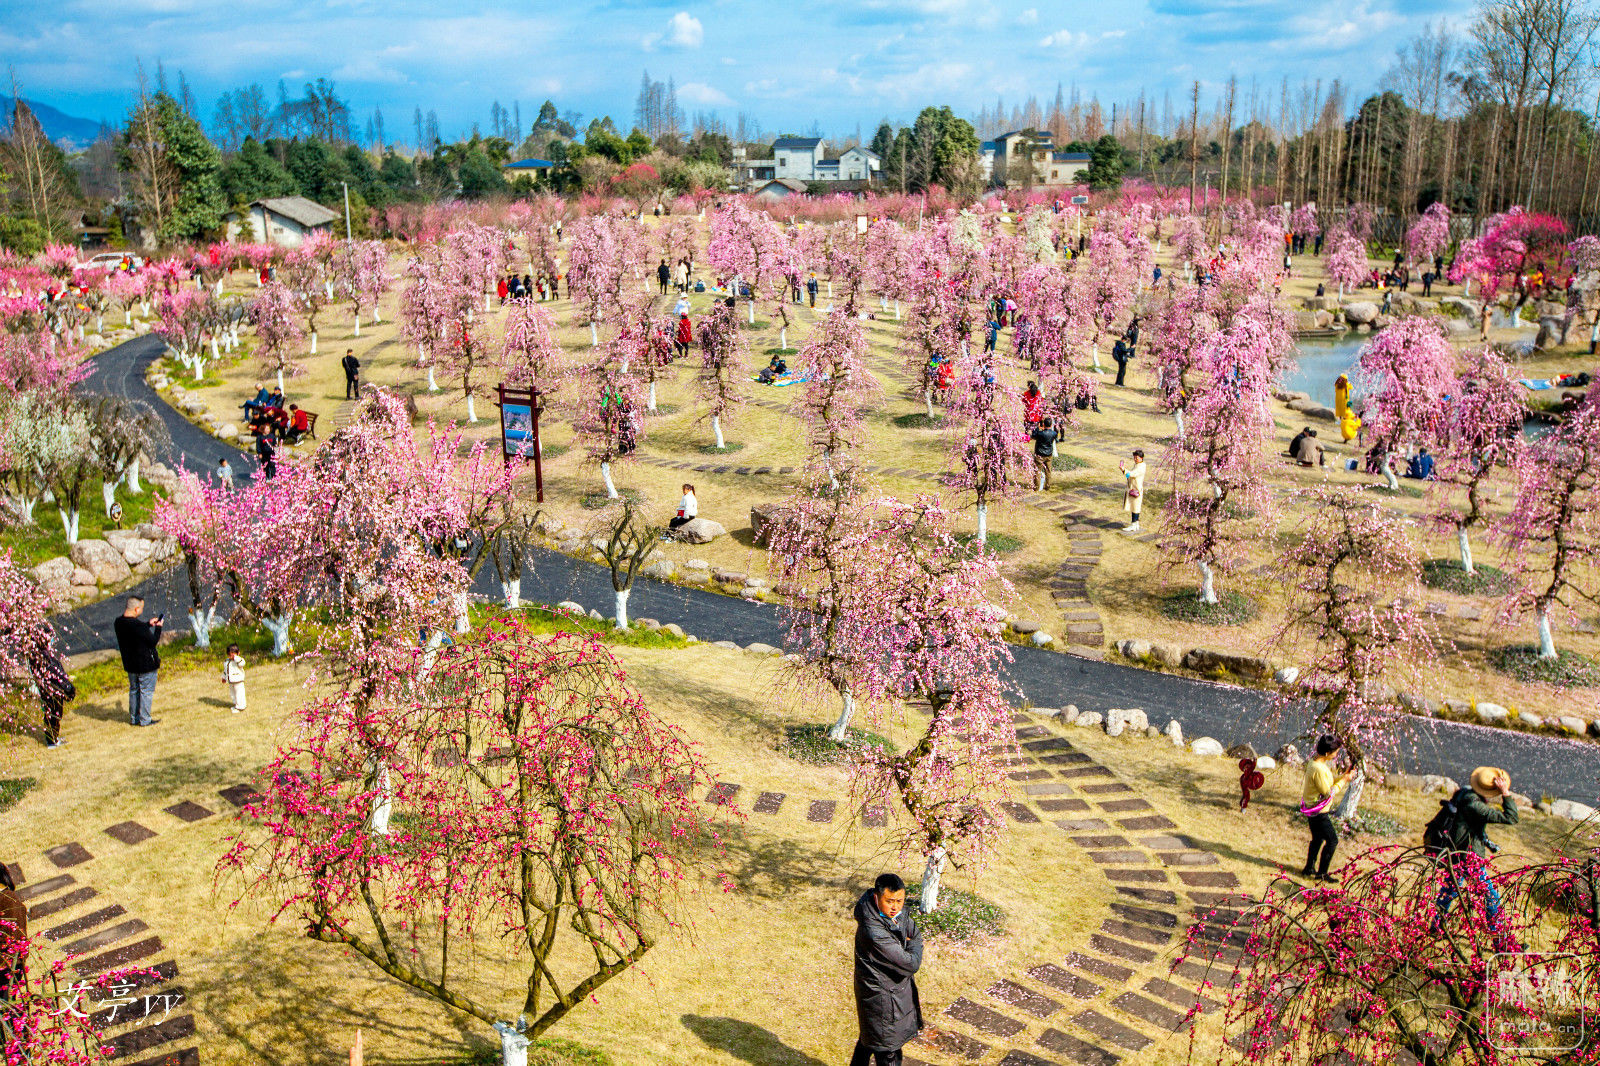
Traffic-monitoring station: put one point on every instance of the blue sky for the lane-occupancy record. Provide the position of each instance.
(785, 64)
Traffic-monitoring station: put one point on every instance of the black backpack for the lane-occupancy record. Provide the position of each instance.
(1439, 834)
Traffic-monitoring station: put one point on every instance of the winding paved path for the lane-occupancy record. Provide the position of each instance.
(1561, 768)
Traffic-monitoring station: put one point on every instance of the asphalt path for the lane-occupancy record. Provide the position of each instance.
(1538, 764)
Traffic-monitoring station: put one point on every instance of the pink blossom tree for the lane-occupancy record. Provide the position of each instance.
(1481, 436)
(1346, 262)
(124, 288)
(985, 439)
(1406, 370)
(605, 253)
(546, 811)
(1304, 220)
(1429, 234)
(1101, 289)
(532, 356)
(278, 334)
(1553, 527)
(24, 627)
(723, 368)
(427, 307)
(838, 388)
(361, 275)
(748, 246)
(49, 1016)
(184, 314)
(1221, 505)
(606, 418)
(305, 275)
(463, 355)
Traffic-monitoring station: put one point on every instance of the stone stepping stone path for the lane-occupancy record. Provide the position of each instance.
(68, 855)
(189, 811)
(769, 802)
(129, 832)
(821, 810)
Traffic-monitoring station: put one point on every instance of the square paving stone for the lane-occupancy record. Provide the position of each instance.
(65, 855)
(239, 795)
(1122, 857)
(821, 810)
(769, 802)
(1131, 931)
(1029, 775)
(1217, 899)
(129, 832)
(1106, 788)
(106, 937)
(1065, 758)
(1188, 858)
(159, 974)
(1015, 1057)
(1053, 789)
(1111, 1031)
(187, 1057)
(189, 811)
(1149, 895)
(147, 1037)
(1163, 842)
(1220, 975)
(722, 794)
(1099, 967)
(152, 1007)
(1019, 813)
(1135, 875)
(118, 957)
(86, 923)
(1178, 994)
(874, 816)
(1030, 731)
(1084, 771)
(1147, 915)
(60, 903)
(1052, 744)
(1061, 980)
(1117, 949)
(45, 887)
(1148, 821)
(1112, 841)
(984, 1020)
(1148, 1010)
(1073, 1050)
(1206, 879)
(1024, 999)
(16, 873)
(1115, 806)
(1061, 806)
(1079, 825)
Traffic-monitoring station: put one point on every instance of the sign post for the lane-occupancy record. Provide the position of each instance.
(519, 429)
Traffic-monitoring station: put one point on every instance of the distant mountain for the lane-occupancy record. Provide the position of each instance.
(69, 131)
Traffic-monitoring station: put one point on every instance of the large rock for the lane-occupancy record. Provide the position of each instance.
(227, 431)
(1572, 810)
(1042, 640)
(1169, 655)
(1552, 333)
(1120, 718)
(700, 531)
(83, 578)
(1492, 713)
(1289, 755)
(1089, 718)
(1573, 725)
(1432, 783)
(53, 571)
(1134, 648)
(661, 570)
(1242, 751)
(134, 548)
(1206, 746)
(1174, 733)
(762, 517)
(1247, 666)
(1324, 319)
(106, 562)
(1361, 313)
(1305, 321)
(674, 629)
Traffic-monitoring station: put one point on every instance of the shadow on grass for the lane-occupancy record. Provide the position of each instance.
(183, 773)
(746, 1042)
(774, 868)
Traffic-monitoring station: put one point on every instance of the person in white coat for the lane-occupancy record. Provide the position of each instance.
(1133, 496)
(688, 508)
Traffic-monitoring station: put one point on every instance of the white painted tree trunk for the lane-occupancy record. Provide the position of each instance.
(127, 316)
(594, 335)
(752, 311)
(214, 353)
(652, 402)
(1464, 543)
(1547, 642)
(433, 386)
(512, 591)
(376, 318)
(830, 290)
(783, 336)
(382, 798)
(280, 379)
(605, 475)
(932, 875)
(133, 476)
(100, 323)
(486, 307)
(513, 1046)
(198, 364)
(622, 608)
(927, 399)
(1208, 583)
(1094, 354)
(69, 524)
(883, 302)
(1468, 290)
(716, 431)
(25, 505)
(458, 602)
(200, 623)
(1389, 479)
(1177, 416)
(472, 410)
(847, 711)
(897, 310)
(983, 523)
(278, 626)
(108, 494)
(1341, 290)
(313, 343)
(357, 332)
(1351, 802)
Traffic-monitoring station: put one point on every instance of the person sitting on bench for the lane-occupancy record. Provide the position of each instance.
(299, 425)
(261, 399)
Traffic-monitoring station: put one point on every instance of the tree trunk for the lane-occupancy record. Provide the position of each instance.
(927, 399)
(1177, 416)
(1465, 544)
(69, 524)
(357, 332)
(605, 475)
(313, 342)
(652, 403)
(278, 626)
(932, 874)
(25, 505)
(200, 623)
(716, 431)
(108, 493)
(472, 410)
(594, 335)
(1208, 583)
(783, 336)
(198, 365)
(280, 379)
(752, 310)
(512, 591)
(1547, 642)
(513, 1045)
(458, 602)
(486, 307)
(897, 310)
(433, 386)
(983, 523)
(127, 316)
(1094, 354)
(214, 353)
(1389, 480)
(1467, 291)
(382, 797)
(847, 710)
(622, 608)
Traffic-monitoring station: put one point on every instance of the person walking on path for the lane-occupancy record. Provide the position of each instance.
(1475, 812)
(888, 955)
(55, 687)
(224, 472)
(137, 640)
(663, 276)
(352, 374)
(1320, 796)
(680, 276)
(811, 289)
(1044, 453)
(267, 454)
(233, 674)
(1133, 495)
(1123, 355)
(685, 335)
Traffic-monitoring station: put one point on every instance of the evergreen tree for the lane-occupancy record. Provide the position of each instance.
(252, 174)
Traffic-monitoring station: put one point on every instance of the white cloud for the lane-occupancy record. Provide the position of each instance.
(366, 68)
(698, 92)
(1028, 17)
(685, 31)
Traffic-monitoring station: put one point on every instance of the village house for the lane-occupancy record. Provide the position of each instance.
(282, 220)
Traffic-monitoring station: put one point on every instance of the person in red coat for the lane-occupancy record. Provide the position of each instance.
(502, 288)
(685, 335)
(1032, 405)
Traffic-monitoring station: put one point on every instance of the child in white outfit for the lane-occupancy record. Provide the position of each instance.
(233, 674)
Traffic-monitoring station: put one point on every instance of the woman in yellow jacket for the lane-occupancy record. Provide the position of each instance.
(1341, 396)
(1322, 794)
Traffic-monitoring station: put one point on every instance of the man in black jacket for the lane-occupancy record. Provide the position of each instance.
(888, 955)
(137, 641)
(352, 374)
(49, 671)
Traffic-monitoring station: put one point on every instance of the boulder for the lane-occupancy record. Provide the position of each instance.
(729, 577)
(1042, 640)
(1265, 763)
(1361, 313)
(106, 562)
(134, 548)
(1575, 726)
(1528, 718)
(1571, 810)
(762, 517)
(1166, 654)
(1174, 733)
(1363, 328)
(1067, 715)
(1134, 648)
(647, 623)
(1552, 334)
(661, 570)
(1242, 751)
(728, 644)
(700, 531)
(1289, 755)
(1324, 319)
(696, 564)
(1023, 628)
(1120, 718)
(1492, 713)
(1205, 660)
(1305, 321)
(694, 577)
(1287, 676)
(1089, 718)
(1460, 327)
(762, 649)
(53, 571)
(1432, 783)
(227, 431)
(1311, 409)
(596, 616)
(755, 582)
(568, 605)
(674, 629)
(1207, 746)
(83, 578)
(549, 525)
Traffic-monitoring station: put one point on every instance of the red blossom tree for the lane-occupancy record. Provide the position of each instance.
(278, 334)
(985, 439)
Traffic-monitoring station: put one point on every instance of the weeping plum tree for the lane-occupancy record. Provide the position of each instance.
(1407, 370)
(277, 325)
(1481, 437)
(985, 440)
(606, 418)
(722, 368)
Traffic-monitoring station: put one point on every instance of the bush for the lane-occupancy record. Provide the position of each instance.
(1447, 574)
(1373, 824)
(1231, 609)
(543, 618)
(597, 501)
(959, 916)
(1521, 661)
(811, 744)
(726, 449)
(780, 351)
(919, 420)
(13, 789)
(999, 543)
(1063, 463)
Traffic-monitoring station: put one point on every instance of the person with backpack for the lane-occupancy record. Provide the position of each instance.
(1318, 801)
(1460, 828)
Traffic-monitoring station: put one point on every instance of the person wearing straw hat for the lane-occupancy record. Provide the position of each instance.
(1476, 810)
